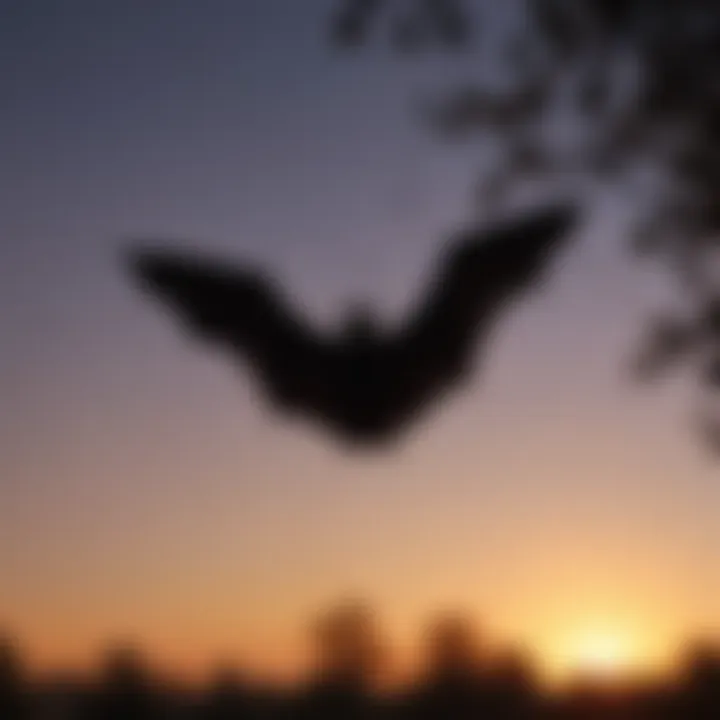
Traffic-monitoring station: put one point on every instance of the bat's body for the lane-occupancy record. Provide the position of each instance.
(365, 385)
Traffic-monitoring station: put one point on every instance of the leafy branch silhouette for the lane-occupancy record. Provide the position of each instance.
(637, 82)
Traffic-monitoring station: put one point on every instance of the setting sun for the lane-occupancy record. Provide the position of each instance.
(602, 654)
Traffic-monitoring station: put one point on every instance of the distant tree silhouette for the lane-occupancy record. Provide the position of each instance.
(513, 683)
(453, 648)
(350, 653)
(700, 693)
(126, 688)
(460, 680)
(13, 682)
(637, 80)
(454, 684)
(229, 698)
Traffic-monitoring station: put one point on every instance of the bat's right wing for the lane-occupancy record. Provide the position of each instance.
(483, 272)
(241, 309)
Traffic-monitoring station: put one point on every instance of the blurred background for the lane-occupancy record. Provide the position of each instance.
(146, 491)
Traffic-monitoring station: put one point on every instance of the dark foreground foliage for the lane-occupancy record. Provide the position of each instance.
(618, 95)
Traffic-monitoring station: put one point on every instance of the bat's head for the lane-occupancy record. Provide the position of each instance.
(360, 324)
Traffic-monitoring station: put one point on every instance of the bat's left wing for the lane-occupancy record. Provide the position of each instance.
(241, 309)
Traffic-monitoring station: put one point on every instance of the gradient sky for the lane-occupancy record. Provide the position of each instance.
(145, 491)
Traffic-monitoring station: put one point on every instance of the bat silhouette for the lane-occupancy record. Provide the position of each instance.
(364, 384)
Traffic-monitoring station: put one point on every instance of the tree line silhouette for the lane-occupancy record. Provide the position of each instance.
(459, 678)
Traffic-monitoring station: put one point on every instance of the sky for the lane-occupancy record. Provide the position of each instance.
(145, 489)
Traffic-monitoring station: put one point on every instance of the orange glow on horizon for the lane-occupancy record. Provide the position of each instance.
(608, 653)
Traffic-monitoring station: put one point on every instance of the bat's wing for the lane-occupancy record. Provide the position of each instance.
(483, 272)
(238, 308)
